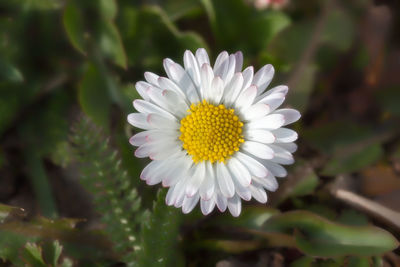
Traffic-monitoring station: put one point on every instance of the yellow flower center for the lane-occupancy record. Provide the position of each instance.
(211, 132)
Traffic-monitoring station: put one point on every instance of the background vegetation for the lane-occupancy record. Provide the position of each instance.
(68, 178)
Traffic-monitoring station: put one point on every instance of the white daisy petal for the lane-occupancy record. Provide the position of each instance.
(230, 71)
(248, 76)
(272, 122)
(148, 108)
(257, 149)
(194, 182)
(207, 189)
(179, 169)
(153, 178)
(139, 120)
(189, 203)
(151, 78)
(273, 100)
(213, 133)
(239, 61)
(160, 122)
(260, 136)
(246, 98)
(239, 172)
(179, 196)
(291, 147)
(270, 183)
(283, 89)
(176, 105)
(221, 202)
(207, 206)
(255, 167)
(243, 192)
(256, 111)
(291, 115)
(276, 169)
(263, 78)
(281, 155)
(142, 88)
(192, 67)
(207, 76)
(167, 84)
(168, 199)
(177, 192)
(235, 205)
(177, 74)
(139, 138)
(218, 90)
(151, 169)
(161, 135)
(233, 89)
(225, 182)
(221, 64)
(259, 194)
(202, 57)
(157, 151)
(284, 135)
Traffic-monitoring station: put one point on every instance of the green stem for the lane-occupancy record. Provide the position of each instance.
(40, 184)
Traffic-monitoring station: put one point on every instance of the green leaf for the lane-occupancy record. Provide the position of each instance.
(114, 195)
(352, 217)
(111, 43)
(302, 182)
(231, 246)
(357, 159)
(9, 212)
(189, 40)
(33, 255)
(40, 183)
(149, 39)
(330, 137)
(40, 4)
(252, 217)
(11, 245)
(108, 8)
(266, 26)
(53, 253)
(282, 46)
(74, 26)
(159, 236)
(176, 9)
(93, 96)
(317, 236)
(9, 73)
(359, 262)
(232, 18)
(302, 262)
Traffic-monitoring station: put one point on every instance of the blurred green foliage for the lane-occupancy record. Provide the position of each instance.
(65, 63)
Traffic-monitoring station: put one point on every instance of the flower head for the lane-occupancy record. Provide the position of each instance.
(213, 134)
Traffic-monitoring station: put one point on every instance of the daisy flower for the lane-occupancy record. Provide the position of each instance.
(213, 133)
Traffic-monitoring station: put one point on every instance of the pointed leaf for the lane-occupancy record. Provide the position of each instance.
(318, 236)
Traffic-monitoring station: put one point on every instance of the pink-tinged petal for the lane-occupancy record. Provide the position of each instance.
(263, 78)
(202, 57)
(235, 205)
(290, 115)
(239, 61)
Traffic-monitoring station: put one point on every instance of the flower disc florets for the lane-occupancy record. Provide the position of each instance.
(211, 132)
